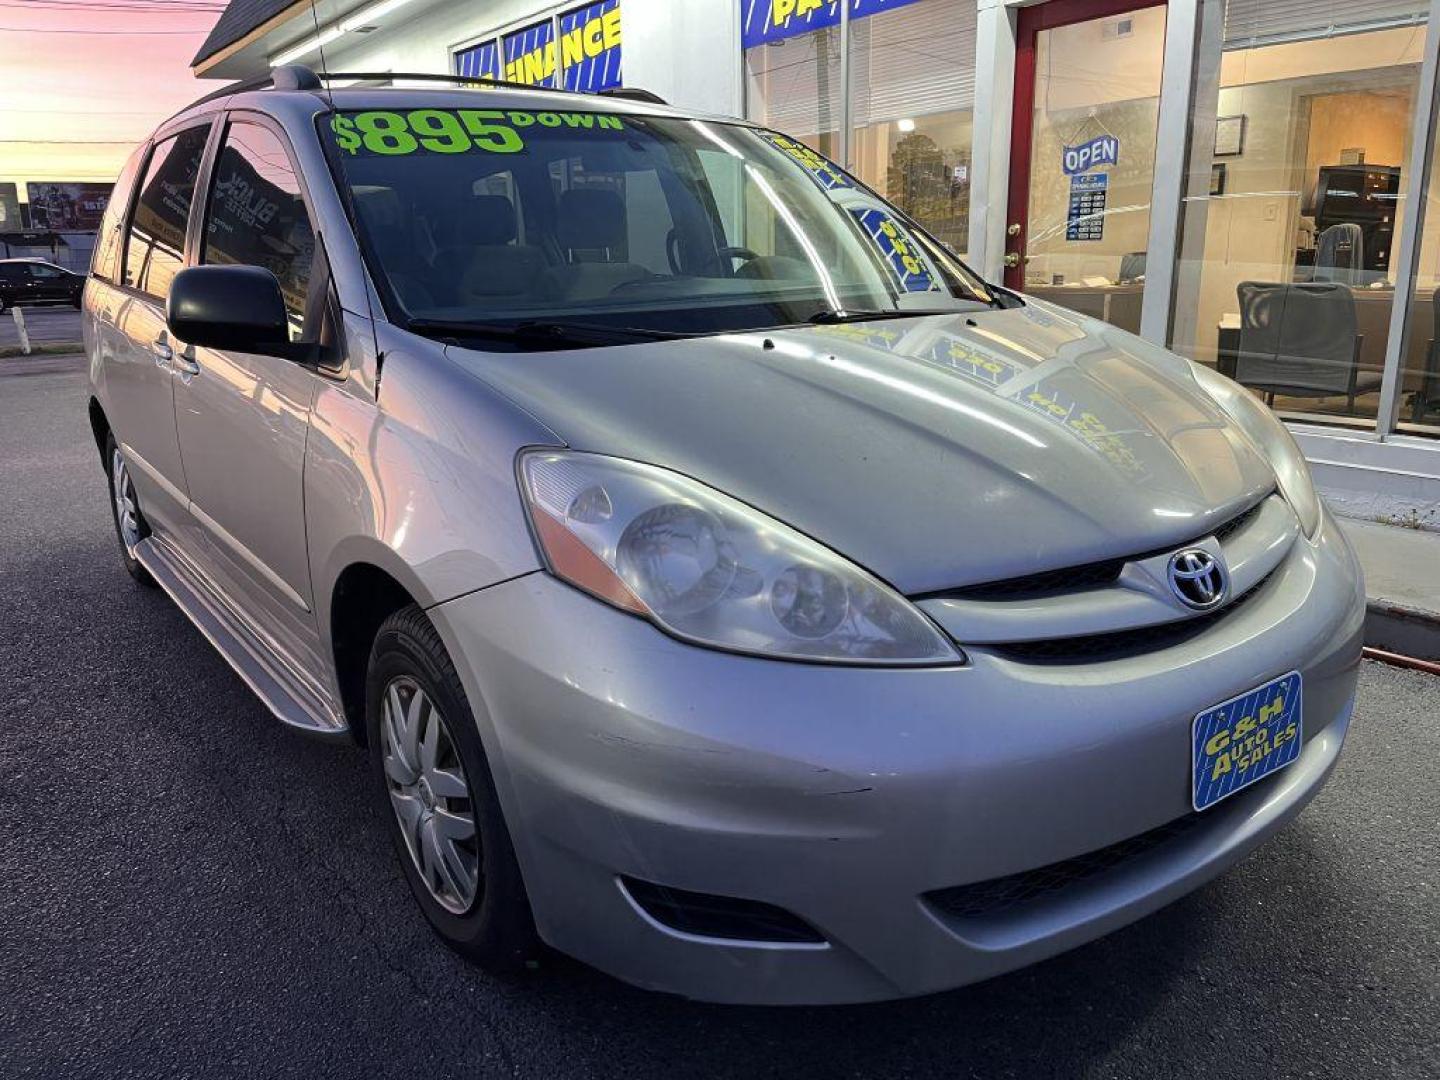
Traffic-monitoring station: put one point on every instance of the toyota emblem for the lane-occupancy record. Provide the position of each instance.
(1198, 578)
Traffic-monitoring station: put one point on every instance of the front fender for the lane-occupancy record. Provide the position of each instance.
(420, 482)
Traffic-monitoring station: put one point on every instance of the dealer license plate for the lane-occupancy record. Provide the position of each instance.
(1237, 742)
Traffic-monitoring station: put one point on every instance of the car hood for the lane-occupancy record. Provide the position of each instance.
(937, 452)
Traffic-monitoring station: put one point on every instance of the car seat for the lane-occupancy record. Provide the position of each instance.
(487, 263)
(590, 229)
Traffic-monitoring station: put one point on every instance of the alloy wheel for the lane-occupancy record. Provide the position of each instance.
(430, 795)
(124, 491)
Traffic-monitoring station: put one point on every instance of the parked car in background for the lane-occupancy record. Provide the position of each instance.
(731, 588)
(35, 281)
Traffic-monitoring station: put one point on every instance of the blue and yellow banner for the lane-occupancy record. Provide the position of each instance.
(590, 46)
(590, 51)
(822, 171)
(764, 21)
(897, 247)
(479, 61)
(530, 55)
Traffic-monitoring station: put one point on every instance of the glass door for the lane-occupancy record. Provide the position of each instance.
(1082, 160)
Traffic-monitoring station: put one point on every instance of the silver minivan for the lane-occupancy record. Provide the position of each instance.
(731, 588)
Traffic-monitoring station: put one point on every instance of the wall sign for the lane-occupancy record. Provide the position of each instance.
(1101, 150)
(590, 46)
(479, 61)
(1085, 219)
(764, 21)
(73, 207)
(590, 51)
(530, 55)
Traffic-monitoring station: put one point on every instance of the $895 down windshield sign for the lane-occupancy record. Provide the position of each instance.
(453, 131)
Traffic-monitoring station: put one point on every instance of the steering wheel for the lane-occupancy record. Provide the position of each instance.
(672, 252)
(737, 253)
(641, 282)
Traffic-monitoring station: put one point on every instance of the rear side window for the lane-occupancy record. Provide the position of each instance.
(12, 274)
(155, 248)
(105, 262)
(257, 215)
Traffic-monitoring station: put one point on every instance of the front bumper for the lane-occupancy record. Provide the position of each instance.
(844, 795)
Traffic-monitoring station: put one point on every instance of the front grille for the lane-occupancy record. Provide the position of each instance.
(1120, 644)
(1005, 893)
(1235, 524)
(1071, 579)
(728, 917)
(1096, 575)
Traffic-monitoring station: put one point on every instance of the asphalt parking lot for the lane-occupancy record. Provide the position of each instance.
(43, 324)
(188, 890)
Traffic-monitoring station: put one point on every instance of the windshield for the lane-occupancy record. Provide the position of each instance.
(487, 218)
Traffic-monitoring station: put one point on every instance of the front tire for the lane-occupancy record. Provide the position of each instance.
(130, 524)
(431, 775)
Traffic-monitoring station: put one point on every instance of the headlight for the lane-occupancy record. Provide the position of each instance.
(1275, 442)
(712, 570)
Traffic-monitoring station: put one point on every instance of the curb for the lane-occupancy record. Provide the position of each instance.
(1398, 628)
(42, 348)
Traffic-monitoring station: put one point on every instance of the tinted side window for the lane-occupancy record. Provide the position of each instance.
(13, 274)
(105, 262)
(257, 216)
(155, 249)
(40, 270)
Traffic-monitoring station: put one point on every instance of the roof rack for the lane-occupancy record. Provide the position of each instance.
(286, 77)
(634, 93)
(300, 77)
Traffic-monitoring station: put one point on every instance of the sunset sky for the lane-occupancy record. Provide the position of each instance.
(85, 80)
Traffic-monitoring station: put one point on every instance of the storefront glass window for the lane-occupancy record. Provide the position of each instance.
(912, 80)
(530, 55)
(1296, 195)
(792, 75)
(480, 61)
(1092, 163)
(1419, 405)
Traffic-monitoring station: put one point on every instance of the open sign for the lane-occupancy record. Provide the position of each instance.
(1101, 150)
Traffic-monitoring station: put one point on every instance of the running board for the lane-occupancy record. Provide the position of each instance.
(292, 703)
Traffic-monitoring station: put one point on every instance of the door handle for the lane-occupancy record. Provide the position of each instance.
(1012, 260)
(163, 353)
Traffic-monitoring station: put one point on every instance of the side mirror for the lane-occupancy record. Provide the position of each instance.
(235, 308)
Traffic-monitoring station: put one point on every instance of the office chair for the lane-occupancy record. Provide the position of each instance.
(1300, 340)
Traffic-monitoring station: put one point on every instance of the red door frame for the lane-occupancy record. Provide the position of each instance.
(1031, 21)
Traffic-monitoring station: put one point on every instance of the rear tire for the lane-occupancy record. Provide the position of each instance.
(433, 781)
(130, 524)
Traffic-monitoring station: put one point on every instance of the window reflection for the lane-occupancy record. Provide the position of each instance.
(912, 90)
(1295, 201)
(793, 85)
(155, 247)
(912, 72)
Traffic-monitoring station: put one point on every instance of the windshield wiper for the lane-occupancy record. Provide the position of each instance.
(848, 315)
(541, 332)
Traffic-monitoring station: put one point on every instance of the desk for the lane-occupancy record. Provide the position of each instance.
(1118, 305)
